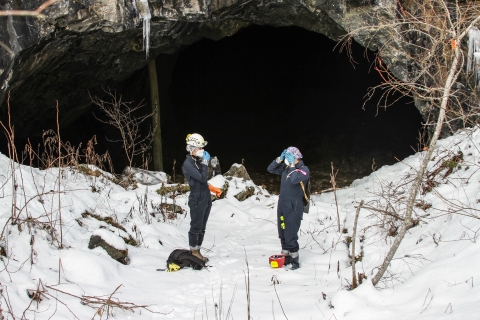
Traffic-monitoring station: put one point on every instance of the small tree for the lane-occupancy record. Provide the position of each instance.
(122, 116)
(429, 37)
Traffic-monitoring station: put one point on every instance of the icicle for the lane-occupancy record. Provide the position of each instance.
(473, 61)
(145, 15)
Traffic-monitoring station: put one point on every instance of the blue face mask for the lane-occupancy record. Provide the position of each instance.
(199, 153)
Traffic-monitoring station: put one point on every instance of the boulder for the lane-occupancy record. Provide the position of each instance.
(248, 192)
(214, 168)
(238, 171)
(111, 243)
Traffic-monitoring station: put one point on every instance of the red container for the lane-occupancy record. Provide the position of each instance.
(277, 260)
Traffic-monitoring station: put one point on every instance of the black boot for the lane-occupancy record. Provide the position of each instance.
(288, 257)
(295, 260)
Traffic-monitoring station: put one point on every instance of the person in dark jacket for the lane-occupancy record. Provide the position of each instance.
(290, 202)
(195, 170)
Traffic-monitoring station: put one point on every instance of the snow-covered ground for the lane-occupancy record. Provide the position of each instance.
(434, 273)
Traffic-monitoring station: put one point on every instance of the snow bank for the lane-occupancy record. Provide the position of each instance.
(146, 177)
(218, 181)
(431, 276)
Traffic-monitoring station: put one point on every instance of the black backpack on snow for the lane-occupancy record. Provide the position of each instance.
(181, 258)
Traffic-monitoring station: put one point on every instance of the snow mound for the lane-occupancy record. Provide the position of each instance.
(146, 177)
(46, 234)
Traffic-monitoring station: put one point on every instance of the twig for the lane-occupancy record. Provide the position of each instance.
(107, 304)
(388, 213)
(333, 175)
(280, 302)
(354, 236)
(449, 306)
(36, 13)
(7, 302)
(247, 285)
(59, 179)
(431, 298)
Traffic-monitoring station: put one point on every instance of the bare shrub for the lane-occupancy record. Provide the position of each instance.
(432, 34)
(122, 116)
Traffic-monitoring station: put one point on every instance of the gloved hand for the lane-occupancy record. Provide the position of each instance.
(217, 191)
(206, 156)
(282, 156)
(290, 158)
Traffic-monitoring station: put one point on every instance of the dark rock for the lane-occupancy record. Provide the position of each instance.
(224, 190)
(214, 168)
(171, 208)
(119, 255)
(248, 192)
(238, 171)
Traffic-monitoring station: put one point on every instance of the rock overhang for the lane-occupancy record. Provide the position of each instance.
(84, 46)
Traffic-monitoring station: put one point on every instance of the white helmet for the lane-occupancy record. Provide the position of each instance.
(196, 140)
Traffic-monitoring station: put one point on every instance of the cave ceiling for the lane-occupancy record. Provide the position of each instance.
(82, 46)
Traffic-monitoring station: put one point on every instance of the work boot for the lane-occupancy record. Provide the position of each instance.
(288, 257)
(205, 259)
(196, 252)
(295, 260)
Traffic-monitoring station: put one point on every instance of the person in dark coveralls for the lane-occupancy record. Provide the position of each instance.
(290, 202)
(195, 169)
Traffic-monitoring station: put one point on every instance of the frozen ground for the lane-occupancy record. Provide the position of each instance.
(434, 273)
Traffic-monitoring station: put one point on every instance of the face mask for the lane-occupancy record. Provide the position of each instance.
(286, 162)
(199, 153)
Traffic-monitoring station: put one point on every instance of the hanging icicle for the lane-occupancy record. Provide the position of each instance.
(145, 16)
(473, 62)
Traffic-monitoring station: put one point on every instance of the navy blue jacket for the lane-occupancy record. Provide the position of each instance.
(196, 173)
(291, 177)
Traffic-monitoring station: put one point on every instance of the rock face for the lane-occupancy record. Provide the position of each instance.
(86, 45)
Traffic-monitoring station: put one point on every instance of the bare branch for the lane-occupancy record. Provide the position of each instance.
(36, 13)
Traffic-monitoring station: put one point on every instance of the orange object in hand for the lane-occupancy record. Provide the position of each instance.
(217, 191)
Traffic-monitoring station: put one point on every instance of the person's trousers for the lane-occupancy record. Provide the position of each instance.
(200, 205)
(289, 218)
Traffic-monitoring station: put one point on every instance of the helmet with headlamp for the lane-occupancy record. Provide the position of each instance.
(196, 140)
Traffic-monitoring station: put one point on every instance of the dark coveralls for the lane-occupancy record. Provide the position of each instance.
(290, 202)
(199, 199)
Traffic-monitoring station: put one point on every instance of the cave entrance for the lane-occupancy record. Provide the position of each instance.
(254, 94)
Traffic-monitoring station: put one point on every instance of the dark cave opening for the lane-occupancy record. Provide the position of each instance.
(264, 89)
(254, 94)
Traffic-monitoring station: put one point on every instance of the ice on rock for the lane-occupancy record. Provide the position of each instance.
(473, 61)
(145, 16)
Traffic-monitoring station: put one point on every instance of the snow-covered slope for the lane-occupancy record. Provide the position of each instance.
(431, 277)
